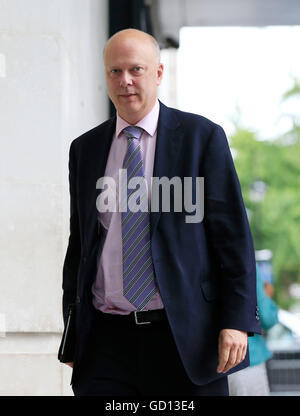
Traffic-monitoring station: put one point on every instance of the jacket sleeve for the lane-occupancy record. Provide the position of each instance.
(72, 258)
(229, 235)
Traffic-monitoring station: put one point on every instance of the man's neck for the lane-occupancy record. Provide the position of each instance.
(135, 118)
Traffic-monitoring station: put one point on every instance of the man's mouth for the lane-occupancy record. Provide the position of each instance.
(127, 95)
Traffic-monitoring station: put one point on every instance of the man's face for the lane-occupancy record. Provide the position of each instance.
(133, 74)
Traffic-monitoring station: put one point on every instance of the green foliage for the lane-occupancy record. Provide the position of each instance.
(274, 214)
(294, 91)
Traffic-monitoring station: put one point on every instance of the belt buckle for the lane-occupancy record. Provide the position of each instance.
(136, 319)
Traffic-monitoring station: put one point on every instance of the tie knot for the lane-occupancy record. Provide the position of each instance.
(133, 132)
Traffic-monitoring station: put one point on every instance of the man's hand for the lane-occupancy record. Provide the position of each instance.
(70, 364)
(232, 348)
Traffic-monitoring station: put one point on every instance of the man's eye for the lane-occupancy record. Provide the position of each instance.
(114, 71)
(138, 68)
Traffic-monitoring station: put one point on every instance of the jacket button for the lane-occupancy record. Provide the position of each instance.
(77, 299)
(84, 259)
(257, 313)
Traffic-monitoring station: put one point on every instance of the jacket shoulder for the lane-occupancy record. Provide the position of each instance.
(192, 117)
(193, 121)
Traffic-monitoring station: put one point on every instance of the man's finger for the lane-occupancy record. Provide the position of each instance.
(70, 364)
(244, 352)
(239, 355)
(224, 351)
(232, 359)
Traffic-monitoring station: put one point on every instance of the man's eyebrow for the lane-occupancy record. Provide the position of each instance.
(119, 67)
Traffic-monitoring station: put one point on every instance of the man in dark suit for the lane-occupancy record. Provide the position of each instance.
(164, 305)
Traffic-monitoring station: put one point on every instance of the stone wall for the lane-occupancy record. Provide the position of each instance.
(52, 90)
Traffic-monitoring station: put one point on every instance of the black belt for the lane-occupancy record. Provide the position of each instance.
(136, 317)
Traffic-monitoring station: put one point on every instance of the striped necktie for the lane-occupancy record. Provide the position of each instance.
(138, 271)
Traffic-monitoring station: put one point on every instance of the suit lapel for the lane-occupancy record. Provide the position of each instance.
(98, 165)
(168, 143)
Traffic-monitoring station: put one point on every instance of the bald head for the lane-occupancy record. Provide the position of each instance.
(133, 35)
(133, 73)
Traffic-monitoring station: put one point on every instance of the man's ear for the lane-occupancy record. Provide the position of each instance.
(160, 71)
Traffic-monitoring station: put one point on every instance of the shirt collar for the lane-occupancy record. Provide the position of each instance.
(148, 123)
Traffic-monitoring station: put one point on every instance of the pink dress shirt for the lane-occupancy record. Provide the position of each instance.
(107, 290)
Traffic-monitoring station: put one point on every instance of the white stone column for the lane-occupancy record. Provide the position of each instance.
(52, 89)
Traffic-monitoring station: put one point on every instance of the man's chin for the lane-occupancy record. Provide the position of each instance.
(128, 98)
(130, 106)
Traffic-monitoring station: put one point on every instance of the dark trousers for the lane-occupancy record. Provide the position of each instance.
(125, 359)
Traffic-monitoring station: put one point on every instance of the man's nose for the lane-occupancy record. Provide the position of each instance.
(126, 79)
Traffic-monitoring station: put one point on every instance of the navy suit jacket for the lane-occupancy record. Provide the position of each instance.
(206, 272)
